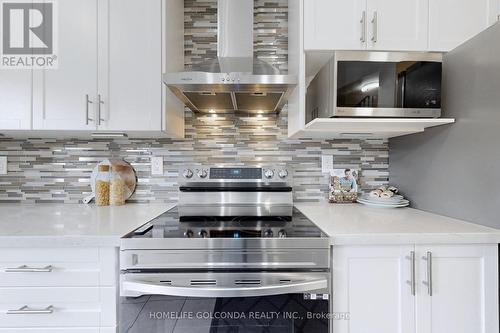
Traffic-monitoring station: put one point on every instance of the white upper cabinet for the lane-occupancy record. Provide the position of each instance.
(452, 22)
(463, 294)
(365, 24)
(334, 24)
(400, 25)
(15, 99)
(130, 84)
(60, 95)
(395, 25)
(111, 59)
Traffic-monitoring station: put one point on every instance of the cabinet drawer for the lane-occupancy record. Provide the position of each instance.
(56, 275)
(57, 307)
(57, 267)
(49, 254)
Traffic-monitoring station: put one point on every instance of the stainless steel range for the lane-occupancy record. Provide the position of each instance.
(234, 246)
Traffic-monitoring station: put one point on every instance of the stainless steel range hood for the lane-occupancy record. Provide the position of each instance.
(235, 80)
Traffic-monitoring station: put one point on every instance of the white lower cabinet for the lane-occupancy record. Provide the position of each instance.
(57, 307)
(70, 290)
(422, 289)
(463, 295)
(370, 283)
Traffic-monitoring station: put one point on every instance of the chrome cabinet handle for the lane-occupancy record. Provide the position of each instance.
(87, 118)
(363, 27)
(428, 283)
(375, 27)
(412, 273)
(26, 310)
(27, 269)
(99, 103)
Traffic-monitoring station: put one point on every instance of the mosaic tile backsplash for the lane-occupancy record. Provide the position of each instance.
(270, 32)
(56, 170)
(46, 170)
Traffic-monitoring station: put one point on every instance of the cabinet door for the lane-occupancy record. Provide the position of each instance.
(15, 99)
(373, 285)
(60, 101)
(464, 297)
(452, 22)
(400, 25)
(334, 24)
(130, 81)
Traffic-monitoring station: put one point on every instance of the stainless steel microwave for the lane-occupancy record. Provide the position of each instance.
(376, 84)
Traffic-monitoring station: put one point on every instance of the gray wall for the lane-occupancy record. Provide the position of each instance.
(453, 169)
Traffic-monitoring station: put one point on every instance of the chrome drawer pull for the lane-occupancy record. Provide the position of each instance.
(26, 310)
(27, 269)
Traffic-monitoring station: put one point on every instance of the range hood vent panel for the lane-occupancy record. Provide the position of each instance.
(252, 102)
(236, 77)
(206, 103)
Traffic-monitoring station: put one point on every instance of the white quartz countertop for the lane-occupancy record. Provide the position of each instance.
(63, 225)
(358, 224)
(72, 224)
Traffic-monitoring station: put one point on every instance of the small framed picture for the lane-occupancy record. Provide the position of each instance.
(344, 185)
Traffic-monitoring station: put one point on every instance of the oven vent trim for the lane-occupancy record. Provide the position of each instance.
(208, 282)
(247, 282)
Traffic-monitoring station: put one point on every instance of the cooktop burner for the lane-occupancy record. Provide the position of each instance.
(169, 225)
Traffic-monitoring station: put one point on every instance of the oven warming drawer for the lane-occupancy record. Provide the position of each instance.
(267, 259)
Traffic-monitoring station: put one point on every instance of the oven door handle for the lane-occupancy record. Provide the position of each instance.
(153, 288)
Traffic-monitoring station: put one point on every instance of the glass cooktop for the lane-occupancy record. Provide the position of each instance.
(169, 225)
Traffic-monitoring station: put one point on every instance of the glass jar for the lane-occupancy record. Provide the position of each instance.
(102, 186)
(117, 186)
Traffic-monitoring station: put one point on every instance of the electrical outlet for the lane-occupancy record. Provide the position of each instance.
(3, 165)
(157, 165)
(326, 163)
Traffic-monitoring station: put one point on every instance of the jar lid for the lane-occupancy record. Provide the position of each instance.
(103, 167)
(119, 167)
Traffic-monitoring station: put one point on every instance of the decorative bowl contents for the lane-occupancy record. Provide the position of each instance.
(384, 196)
(102, 186)
(117, 185)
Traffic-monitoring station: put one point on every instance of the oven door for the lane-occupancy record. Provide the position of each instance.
(242, 302)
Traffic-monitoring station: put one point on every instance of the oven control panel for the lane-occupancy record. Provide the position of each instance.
(269, 232)
(234, 174)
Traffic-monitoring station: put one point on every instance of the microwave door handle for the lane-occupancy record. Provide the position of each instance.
(153, 288)
(403, 91)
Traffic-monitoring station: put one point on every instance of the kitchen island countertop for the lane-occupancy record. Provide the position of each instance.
(356, 224)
